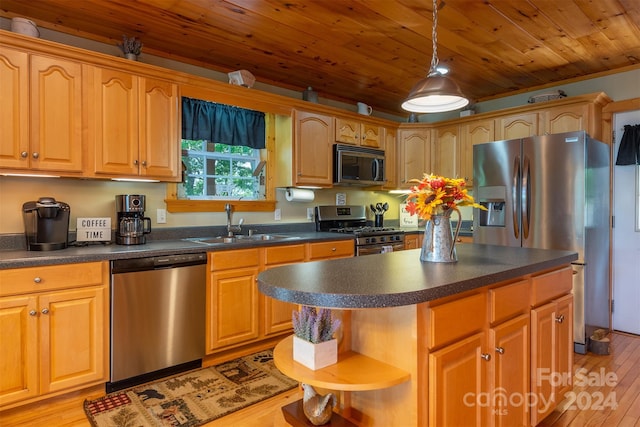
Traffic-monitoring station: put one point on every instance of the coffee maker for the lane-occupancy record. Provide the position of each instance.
(46, 224)
(132, 225)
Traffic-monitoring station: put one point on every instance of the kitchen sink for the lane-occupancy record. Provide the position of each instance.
(238, 238)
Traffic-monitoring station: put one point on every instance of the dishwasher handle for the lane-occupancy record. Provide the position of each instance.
(157, 262)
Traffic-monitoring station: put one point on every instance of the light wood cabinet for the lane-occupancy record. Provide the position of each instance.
(391, 159)
(276, 314)
(330, 250)
(516, 351)
(516, 126)
(447, 151)
(457, 380)
(313, 136)
(415, 148)
(551, 355)
(41, 110)
(232, 298)
(510, 379)
(350, 131)
(413, 241)
(55, 339)
(472, 133)
(133, 125)
(237, 313)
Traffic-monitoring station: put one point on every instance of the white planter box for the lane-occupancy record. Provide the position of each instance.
(315, 356)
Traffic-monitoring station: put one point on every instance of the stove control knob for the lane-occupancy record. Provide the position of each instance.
(373, 240)
(382, 239)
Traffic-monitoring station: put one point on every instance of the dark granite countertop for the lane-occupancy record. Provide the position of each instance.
(399, 278)
(102, 252)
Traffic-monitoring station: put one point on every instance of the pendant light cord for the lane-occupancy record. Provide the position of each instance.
(434, 37)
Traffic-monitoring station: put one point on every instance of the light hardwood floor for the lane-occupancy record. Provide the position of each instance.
(590, 408)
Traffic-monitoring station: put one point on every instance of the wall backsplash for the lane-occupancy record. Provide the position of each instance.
(95, 198)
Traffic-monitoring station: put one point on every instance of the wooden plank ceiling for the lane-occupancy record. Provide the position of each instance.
(366, 50)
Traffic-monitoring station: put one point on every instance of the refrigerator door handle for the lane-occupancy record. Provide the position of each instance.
(526, 200)
(514, 197)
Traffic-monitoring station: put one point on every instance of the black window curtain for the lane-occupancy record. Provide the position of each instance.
(224, 124)
(629, 151)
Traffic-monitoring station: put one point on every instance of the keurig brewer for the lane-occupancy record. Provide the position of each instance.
(46, 224)
(132, 225)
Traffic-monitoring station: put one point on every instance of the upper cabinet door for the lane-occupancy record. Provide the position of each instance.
(517, 126)
(14, 108)
(112, 121)
(349, 131)
(56, 114)
(133, 124)
(312, 145)
(159, 134)
(415, 149)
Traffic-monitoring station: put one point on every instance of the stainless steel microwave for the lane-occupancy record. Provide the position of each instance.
(354, 165)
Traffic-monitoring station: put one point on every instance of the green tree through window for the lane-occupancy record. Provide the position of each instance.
(220, 171)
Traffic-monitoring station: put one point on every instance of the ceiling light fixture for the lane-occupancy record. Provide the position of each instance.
(435, 93)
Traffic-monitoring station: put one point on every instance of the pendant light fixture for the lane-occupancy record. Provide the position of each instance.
(435, 93)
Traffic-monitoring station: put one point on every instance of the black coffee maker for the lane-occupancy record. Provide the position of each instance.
(132, 226)
(46, 224)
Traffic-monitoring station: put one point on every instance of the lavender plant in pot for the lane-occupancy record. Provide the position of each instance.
(314, 344)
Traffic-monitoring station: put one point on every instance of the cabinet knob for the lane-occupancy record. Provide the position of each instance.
(486, 356)
(333, 249)
(24, 154)
(560, 318)
(35, 155)
(37, 279)
(45, 311)
(135, 162)
(500, 350)
(144, 163)
(33, 313)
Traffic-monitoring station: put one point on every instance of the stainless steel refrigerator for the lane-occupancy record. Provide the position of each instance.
(551, 192)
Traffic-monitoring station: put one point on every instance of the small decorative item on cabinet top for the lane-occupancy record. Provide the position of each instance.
(314, 344)
(131, 47)
(434, 199)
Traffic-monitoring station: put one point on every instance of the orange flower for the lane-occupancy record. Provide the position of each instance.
(434, 195)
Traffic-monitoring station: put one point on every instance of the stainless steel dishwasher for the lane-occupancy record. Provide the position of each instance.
(157, 317)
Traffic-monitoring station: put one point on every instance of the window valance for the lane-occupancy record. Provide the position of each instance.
(224, 124)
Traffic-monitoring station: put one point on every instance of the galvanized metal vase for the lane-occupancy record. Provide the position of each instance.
(438, 244)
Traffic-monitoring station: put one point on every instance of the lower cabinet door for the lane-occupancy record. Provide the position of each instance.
(233, 301)
(543, 361)
(510, 380)
(19, 349)
(457, 383)
(72, 339)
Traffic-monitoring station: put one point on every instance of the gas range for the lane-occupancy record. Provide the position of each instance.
(352, 219)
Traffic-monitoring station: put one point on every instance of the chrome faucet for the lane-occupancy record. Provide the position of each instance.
(232, 228)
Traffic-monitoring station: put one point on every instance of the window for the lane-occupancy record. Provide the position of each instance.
(221, 171)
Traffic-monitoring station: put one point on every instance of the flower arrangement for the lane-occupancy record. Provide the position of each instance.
(433, 195)
(314, 324)
(130, 45)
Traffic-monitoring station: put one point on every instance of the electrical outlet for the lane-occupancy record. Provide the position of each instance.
(310, 214)
(277, 215)
(161, 216)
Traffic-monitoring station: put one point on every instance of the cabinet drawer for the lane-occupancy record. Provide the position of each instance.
(456, 319)
(334, 249)
(508, 301)
(283, 254)
(234, 259)
(50, 277)
(551, 285)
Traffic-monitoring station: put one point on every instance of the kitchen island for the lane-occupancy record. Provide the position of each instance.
(456, 329)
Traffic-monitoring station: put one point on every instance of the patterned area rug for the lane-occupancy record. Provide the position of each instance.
(193, 398)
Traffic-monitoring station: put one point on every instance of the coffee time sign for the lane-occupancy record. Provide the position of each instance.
(93, 229)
